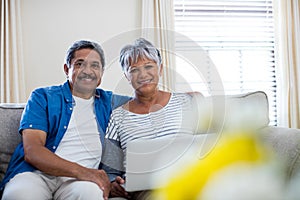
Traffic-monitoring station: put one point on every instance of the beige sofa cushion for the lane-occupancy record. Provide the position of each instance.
(231, 112)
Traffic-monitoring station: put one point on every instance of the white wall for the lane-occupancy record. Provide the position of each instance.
(50, 27)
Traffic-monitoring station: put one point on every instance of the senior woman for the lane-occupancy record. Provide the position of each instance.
(151, 113)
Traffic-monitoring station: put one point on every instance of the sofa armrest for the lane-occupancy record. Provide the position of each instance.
(10, 115)
(286, 144)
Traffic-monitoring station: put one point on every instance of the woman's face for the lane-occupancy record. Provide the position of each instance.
(144, 76)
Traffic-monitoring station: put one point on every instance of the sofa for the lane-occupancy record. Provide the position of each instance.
(231, 111)
(10, 115)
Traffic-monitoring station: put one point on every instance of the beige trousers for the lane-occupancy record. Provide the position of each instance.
(40, 186)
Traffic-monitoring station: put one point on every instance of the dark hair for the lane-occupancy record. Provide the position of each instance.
(141, 49)
(84, 44)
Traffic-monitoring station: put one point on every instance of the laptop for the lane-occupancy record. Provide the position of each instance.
(150, 162)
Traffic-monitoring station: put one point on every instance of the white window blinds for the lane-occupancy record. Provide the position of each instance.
(238, 38)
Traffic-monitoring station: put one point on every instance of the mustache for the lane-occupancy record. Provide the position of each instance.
(84, 76)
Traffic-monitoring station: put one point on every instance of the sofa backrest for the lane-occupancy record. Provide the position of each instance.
(10, 115)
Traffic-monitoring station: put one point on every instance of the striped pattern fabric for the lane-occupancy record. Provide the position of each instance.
(125, 126)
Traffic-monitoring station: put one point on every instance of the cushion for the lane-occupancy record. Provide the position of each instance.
(231, 112)
(10, 115)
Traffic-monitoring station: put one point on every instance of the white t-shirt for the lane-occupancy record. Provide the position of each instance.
(81, 142)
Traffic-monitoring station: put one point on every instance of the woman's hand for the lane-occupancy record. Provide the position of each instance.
(117, 189)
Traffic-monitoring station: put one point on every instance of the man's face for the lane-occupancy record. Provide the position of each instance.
(85, 73)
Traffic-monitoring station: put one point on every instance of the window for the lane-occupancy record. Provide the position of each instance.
(237, 37)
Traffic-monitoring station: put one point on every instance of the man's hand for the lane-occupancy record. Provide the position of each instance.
(117, 190)
(99, 177)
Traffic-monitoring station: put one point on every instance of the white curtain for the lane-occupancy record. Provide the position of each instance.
(288, 13)
(158, 26)
(12, 84)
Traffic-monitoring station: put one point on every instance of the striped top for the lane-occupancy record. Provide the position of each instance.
(125, 126)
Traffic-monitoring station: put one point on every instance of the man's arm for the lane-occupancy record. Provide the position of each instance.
(43, 159)
(118, 100)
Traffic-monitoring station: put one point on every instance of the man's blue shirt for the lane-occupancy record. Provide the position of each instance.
(49, 109)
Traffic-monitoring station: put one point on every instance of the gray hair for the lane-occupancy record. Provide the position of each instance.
(141, 49)
(84, 44)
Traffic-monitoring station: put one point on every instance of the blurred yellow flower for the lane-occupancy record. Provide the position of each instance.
(231, 148)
